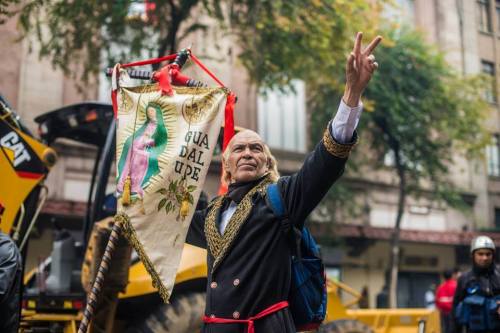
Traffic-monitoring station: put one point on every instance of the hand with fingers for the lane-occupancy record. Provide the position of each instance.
(359, 69)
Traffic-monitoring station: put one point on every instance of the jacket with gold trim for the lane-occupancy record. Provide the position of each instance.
(249, 265)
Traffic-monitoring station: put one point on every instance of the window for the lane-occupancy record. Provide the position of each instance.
(401, 12)
(483, 15)
(282, 117)
(389, 159)
(407, 11)
(493, 158)
(488, 68)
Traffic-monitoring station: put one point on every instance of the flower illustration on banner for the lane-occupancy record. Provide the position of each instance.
(177, 196)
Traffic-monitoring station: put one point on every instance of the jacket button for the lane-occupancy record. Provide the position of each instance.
(236, 314)
(236, 282)
(213, 285)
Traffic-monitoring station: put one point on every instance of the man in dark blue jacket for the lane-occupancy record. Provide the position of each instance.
(249, 271)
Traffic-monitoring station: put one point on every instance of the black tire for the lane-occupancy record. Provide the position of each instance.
(345, 326)
(182, 315)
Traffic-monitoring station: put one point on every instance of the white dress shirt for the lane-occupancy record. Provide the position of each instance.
(345, 122)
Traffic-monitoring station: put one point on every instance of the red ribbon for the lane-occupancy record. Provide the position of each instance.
(250, 321)
(150, 61)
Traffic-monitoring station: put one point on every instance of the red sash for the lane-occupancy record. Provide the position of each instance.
(273, 308)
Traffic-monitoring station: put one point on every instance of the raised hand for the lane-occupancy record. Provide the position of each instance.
(359, 69)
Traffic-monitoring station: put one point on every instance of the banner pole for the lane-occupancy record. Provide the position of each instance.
(93, 296)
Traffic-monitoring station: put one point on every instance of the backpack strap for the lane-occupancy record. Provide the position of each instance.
(275, 202)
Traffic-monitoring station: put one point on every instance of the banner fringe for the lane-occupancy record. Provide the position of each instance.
(130, 234)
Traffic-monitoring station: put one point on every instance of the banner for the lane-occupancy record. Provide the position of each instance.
(164, 146)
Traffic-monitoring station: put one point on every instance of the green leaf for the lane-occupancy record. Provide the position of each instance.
(162, 191)
(162, 203)
(191, 188)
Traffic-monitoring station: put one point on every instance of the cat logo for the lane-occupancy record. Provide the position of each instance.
(12, 141)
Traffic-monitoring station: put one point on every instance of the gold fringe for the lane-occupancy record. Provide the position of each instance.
(129, 233)
(339, 150)
(126, 191)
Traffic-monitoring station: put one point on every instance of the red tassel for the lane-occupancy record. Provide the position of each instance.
(229, 120)
(163, 78)
(114, 93)
(228, 134)
(114, 89)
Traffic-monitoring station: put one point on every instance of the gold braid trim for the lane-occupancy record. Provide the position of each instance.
(218, 244)
(214, 239)
(129, 233)
(340, 150)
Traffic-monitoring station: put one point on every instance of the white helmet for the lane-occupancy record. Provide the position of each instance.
(482, 242)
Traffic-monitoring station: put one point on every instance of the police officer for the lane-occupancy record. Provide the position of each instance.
(477, 297)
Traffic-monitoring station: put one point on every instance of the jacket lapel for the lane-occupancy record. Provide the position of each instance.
(218, 244)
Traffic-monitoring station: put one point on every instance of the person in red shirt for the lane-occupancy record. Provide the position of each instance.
(444, 299)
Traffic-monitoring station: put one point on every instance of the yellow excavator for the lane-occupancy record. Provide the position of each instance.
(54, 293)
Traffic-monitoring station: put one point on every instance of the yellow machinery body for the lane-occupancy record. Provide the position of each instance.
(380, 320)
(17, 179)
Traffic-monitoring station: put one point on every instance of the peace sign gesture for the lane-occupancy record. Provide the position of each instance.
(359, 69)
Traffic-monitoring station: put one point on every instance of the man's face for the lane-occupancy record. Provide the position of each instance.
(483, 258)
(247, 160)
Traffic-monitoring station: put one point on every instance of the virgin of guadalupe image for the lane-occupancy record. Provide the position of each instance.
(139, 158)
